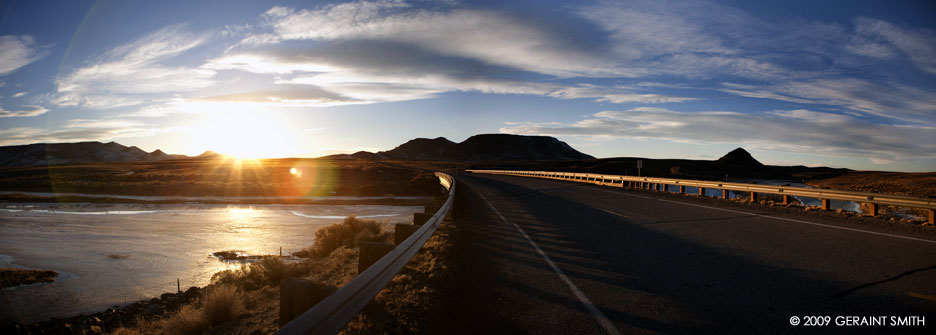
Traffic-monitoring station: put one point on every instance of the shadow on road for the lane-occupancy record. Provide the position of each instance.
(643, 280)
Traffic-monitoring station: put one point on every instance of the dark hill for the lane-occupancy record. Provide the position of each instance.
(741, 158)
(487, 147)
(423, 149)
(69, 153)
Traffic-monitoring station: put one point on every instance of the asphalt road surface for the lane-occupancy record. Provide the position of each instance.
(551, 257)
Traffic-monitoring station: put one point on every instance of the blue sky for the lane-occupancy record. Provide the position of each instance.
(843, 84)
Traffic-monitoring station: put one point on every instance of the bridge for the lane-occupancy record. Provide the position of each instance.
(547, 255)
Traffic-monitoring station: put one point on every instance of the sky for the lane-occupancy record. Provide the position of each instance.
(818, 83)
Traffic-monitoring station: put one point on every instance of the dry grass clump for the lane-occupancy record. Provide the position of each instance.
(188, 320)
(270, 270)
(127, 331)
(338, 240)
(347, 234)
(221, 304)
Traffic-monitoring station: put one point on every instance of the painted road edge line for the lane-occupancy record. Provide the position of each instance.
(592, 309)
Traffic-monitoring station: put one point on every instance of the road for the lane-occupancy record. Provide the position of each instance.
(552, 257)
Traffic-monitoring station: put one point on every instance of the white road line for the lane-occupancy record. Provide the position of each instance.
(614, 213)
(768, 216)
(597, 314)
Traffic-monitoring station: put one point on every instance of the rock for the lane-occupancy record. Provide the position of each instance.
(96, 330)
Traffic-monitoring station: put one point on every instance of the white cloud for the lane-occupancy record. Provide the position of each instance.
(16, 52)
(888, 99)
(801, 131)
(78, 130)
(20, 94)
(369, 72)
(614, 95)
(24, 111)
(264, 64)
(123, 73)
(881, 39)
(491, 37)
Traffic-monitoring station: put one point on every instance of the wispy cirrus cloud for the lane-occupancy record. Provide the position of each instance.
(380, 71)
(493, 37)
(78, 130)
(18, 51)
(801, 131)
(122, 75)
(23, 111)
(882, 39)
(889, 100)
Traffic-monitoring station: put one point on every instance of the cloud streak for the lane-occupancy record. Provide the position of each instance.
(800, 131)
(492, 37)
(78, 130)
(24, 111)
(17, 52)
(123, 74)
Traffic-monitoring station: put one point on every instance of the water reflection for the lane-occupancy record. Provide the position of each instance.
(156, 248)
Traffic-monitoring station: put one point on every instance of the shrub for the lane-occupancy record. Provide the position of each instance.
(188, 320)
(222, 303)
(247, 277)
(274, 269)
(347, 233)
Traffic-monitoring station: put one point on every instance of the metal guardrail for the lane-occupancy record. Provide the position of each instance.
(874, 199)
(332, 313)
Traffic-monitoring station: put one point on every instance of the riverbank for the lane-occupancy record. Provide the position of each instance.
(406, 303)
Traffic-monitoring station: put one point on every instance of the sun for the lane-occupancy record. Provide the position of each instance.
(246, 135)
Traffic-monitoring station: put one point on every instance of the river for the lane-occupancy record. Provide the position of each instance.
(111, 254)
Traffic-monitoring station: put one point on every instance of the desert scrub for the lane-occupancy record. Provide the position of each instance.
(270, 270)
(330, 260)
(221, 303)
(188, 320)
(415, 299)
(345, 234)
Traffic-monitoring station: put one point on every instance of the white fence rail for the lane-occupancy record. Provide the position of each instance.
(873, 199)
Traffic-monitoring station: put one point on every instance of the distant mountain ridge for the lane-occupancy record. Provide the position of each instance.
(487, 147)
(81, 152)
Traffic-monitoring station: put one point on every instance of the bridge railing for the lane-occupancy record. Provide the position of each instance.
(872, 199)
(334, 312)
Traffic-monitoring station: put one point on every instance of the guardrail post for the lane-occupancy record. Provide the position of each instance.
(371, 252)
(298, 295)
(420, 218)
(682, 189)
(786, 199)
(825, 204)
(401, 231)
(932, 217)
(702, 191)
(753, 196)
(724, 194)
(874, 209)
